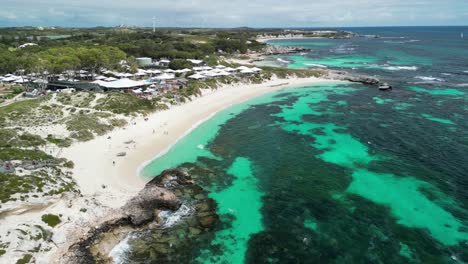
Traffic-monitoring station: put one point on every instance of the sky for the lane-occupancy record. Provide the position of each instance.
(233, 13)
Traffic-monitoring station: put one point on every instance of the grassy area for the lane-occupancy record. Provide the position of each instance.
(80, 99)
(51, 219)
(25, 259)
(63, 143)
(30, 113)
(11, 138)
(23, 154)
(268, 72)
(127, 104)
(48, 181)
(84, 126)
(11, 184)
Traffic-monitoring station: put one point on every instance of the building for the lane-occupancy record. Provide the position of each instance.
(78, 86)
(144, 61)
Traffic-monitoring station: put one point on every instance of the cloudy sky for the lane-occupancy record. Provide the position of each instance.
(233, 13)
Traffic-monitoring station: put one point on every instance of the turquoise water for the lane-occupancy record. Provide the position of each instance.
(338, 173)
(331, 173)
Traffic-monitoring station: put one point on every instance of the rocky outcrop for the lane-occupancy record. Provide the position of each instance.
(277, 50)
(164, 193)
(344, 76)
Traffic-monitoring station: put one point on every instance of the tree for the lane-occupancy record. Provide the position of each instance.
(178, 64)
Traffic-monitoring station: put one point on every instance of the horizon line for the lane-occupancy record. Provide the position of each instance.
(236, 27)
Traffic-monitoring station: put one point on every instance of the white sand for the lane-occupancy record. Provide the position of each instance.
(94, 159)
(94, 168)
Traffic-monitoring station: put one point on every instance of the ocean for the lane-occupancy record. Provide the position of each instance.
(331, 173)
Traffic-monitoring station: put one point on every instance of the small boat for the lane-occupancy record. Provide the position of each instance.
(121, 154)
(385, 87)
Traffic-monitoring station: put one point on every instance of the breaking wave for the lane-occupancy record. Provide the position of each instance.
(170, 218)
(119, 252)
(429, 79)
(399, 68)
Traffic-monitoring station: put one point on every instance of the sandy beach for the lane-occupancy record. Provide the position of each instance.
(105, 185)
(143, 140)
(263, 40)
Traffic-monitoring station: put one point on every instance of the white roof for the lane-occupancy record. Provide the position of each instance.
(206, 68)
(247, 71)
(220, 67)
(154, 71)
(229, 69)
(165, 61)
(141, 72)
(100, 77)
(123, 83)
(196, 76)
(165, 76)
(10, 79)
(195, 61)
(241, 68)
(255, 69)
(39, 81)
(198, 68)
(169, 71)
(110, 79)
(27, 44)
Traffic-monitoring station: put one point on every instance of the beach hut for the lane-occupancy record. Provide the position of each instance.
(123, 84)
(110, 79)
(247, 71)
(196, 62)
(197, 76)
(242, 68)
(256, 70)
(100, 77)
(165, 76)
(164, 63)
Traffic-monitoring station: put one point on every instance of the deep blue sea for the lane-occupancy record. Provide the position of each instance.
(331, 173)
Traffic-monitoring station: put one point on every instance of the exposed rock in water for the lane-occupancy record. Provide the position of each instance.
(344, 76)
(141, 212)
(276, 50)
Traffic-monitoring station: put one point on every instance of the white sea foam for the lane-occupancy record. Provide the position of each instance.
(399, 68)
(281, 60)
(316, 65)
(429, 79)
(170, 218)
(119, 251)
(401, 41)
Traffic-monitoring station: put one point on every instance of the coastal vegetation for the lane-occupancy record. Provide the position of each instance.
(51, 219)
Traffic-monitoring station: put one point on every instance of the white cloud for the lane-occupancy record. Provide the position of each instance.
(260, 13)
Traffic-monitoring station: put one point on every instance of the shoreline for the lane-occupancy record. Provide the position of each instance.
(151, 139)
(105, 187)
(263, 40)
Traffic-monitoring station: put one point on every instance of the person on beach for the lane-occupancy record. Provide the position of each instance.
(113, 163)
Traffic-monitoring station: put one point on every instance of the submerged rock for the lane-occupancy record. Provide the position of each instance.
(167, 234)
(140, 210)
(344, 76)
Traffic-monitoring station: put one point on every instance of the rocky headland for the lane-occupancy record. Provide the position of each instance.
(167, 194)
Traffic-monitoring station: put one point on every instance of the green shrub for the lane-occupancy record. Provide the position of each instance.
(25, 259)
(51, 219)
